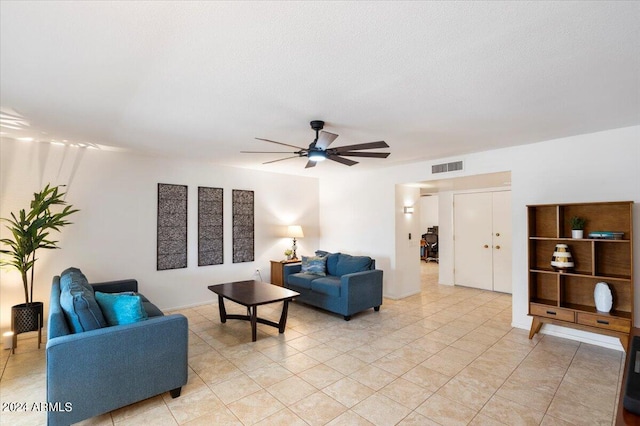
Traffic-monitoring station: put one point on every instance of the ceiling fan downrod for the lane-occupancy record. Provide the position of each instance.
(317, 125)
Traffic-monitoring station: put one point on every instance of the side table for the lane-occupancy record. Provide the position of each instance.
(277, 270)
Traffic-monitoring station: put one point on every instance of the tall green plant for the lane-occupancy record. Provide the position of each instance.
(31, 231)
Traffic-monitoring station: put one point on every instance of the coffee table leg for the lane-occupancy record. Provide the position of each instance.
(223, 312)
(283, 317)
(254, 323)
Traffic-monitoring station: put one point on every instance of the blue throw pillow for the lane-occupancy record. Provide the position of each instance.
(350, 264)
(121, 308)
(315, 265)
(332, 261)
(78, 302)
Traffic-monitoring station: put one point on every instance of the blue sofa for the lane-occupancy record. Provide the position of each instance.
(348, 284)
(96, 371)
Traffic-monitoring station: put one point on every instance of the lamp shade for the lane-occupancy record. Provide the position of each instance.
(295, 231)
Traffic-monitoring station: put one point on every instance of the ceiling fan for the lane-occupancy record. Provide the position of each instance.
(319, 149)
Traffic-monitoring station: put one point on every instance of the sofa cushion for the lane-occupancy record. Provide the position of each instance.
(301, 280)
(151, 309)
(315, 265)
(348, 264)
(332, 261)
(121, 308)
(327, 285)
(78, 302)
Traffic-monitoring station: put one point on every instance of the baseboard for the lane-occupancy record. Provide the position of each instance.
(191, 305)
(577, 335)
(402, 296)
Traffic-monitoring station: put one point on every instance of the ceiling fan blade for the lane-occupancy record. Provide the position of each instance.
(266, 152)
(280, 143)
(281, 159)
(339, 159)
(368, 145)
(325, 139)
(310, 164)
(365, 154)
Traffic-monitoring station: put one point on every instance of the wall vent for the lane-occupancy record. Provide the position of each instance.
(446, 167)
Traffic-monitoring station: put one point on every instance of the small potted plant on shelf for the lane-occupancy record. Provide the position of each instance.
(577, 227)
(288, 253)
(31, 231)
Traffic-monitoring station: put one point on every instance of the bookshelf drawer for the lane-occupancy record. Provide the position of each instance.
(601, 321)
(552, 312)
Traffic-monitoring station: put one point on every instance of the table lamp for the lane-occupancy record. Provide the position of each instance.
(295, 231)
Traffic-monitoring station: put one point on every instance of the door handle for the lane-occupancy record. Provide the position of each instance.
(497, 247)
(486, 246)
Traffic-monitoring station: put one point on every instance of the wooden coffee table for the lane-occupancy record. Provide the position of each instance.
(252, 294)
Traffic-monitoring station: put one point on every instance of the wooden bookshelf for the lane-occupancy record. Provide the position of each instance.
(566, 298)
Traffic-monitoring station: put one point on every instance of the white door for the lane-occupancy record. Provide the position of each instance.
(482, 240)
(473, 240)
(502, 241)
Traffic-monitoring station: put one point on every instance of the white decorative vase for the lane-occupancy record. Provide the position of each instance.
(603, 297)
(577, 234)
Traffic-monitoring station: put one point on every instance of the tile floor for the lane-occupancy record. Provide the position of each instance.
(445, 357)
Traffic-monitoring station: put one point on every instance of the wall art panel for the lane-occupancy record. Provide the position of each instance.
(210, 230)
(243, 223)
(172, 227)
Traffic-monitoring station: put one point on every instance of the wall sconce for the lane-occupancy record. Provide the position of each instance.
(295, 231)
(408, 209)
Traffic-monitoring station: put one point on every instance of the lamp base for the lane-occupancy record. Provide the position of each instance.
(294, 248)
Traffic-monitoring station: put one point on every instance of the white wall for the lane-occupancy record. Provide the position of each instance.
(429, 215)
(446, 252)
(603, 166)
(407, 265)
(357, 212)
(114, 234)
(355, 221)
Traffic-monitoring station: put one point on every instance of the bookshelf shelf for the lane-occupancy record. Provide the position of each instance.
(566, 298)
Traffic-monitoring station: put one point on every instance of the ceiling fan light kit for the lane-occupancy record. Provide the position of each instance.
(317, 156)
(319, 150)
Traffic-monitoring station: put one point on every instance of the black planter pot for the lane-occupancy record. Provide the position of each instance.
(26, 317)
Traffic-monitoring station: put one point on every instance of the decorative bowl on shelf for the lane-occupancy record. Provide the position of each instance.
(562, 260)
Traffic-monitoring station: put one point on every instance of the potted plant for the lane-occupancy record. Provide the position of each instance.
(577, 227)
(31, 231)
(288, 253)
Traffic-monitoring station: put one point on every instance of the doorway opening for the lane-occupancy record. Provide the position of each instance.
(437, 215)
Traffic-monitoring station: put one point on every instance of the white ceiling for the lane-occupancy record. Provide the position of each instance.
(201, 80)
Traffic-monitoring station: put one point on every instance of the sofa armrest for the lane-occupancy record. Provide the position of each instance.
(362, 290)
(116, 286)
(290, 269)
(100, 370)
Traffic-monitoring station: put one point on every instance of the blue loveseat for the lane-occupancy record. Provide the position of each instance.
(345, 284)
(99, 370)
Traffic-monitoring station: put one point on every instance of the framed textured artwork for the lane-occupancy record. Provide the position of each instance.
(243, 220)
(210, 231)
(172, 227)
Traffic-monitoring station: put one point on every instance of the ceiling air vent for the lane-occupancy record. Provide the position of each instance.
(446, 167)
